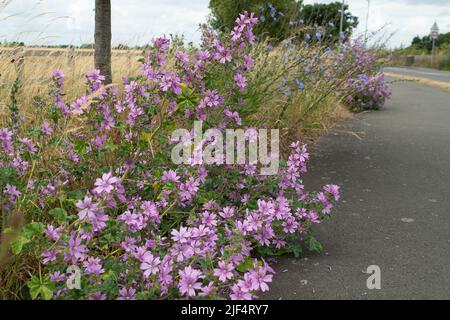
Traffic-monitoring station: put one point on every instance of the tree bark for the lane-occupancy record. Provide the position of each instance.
(103, 38)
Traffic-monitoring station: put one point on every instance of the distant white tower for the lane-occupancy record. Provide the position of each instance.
(434, 31)
(434, 36)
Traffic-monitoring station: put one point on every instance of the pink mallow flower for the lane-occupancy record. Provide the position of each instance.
(93, 266)
(46, 129)
(87, 208)
(53, 233)
(150, 264)
(49, 256)
(225, 271)
(240, 292)
(95, 76)
(334, 190)
(125, 294)
(227, 213)
(106, 183)
(241, 82)
(189, 281)
(29, 145)
(170, 175)
(260, 276)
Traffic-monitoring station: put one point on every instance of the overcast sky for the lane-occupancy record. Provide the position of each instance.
(137, 21)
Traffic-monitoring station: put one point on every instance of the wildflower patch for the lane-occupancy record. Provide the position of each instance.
(118, 204)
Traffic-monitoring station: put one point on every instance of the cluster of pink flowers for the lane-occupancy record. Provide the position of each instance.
(200, 257)
(367, 92)
(15, 152)
(137, 226)
(352, 71)
(366, 87)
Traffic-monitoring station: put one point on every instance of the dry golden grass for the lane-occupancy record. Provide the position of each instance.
(298, 121)
(425, 61)
(324, 118)
(427, 82)
(307, 113)
(35, 74)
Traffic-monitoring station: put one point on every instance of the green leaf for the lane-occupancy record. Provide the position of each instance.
(38, 288)
(8, 230)
(8, 175)
(296, 249)
(46, 293)
(246, 265)
(18, 244)
(80, 147)
(28, 232)
(59, 214)
(33, 229)
(314, 245)
(75, 195)
(108, 275)
(111, 146)
(35, 286)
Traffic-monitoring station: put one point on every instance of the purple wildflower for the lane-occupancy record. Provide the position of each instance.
(95, 76)
(125, 294)
(46, 129)
(182, 57)
(93, 266)
(150, 264)
(241, 82)
(106, 184)
(77, 250)
(53, 233)
(87, 208)
(49, 256)
(333, 190)
(170, 176)
(227, 213)
(189, 281)
(224, 272)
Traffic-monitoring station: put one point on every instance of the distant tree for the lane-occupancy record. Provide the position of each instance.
(443, 39)
(416, 41)
(121, 46)
(275, 16)
(324, 14)
(87, 46)
(103, 38)
(425, 44)
(12, 44)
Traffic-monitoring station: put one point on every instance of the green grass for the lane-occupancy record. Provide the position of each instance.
(445, 65)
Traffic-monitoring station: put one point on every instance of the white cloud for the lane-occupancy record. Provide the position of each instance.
(137, 21)
(134, 21)
(404, 19)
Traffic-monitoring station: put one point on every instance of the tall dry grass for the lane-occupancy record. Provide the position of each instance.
(428, 82)
(305, 114)
(34, 73)
(421, 61)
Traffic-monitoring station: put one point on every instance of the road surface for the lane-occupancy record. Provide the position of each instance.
(431, 74)
(395, 211)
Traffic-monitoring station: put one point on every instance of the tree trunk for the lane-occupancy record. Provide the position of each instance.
(103, 38)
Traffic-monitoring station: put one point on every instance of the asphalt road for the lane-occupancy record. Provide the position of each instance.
(431, 74)
(395, 211)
